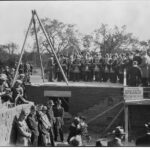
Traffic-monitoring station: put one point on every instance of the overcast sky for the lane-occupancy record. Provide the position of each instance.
(88, 15)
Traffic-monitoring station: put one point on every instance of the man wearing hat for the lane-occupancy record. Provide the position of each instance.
(145, 139)
(50, 115)
(58, 126)
(33, 125)
(118, 136)
(137, 57)
(134, 75)
(23, 131)
(44, 127)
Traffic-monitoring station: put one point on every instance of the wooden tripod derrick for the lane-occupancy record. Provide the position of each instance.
(33, 21)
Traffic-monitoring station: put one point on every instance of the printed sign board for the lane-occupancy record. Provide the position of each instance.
(133, 93)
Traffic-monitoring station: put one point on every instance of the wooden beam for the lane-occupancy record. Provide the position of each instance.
(51, 46)
(22, 52)
(38, 49)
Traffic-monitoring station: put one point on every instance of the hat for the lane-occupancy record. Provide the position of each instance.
(8, 89)
(76, 120)
(118, 131)
(22, 75)
(44, 108)
(19, 81)
(50, 102)
(3, 77)
(33, 108)
(23, 112)
(59, 101)
(147, 125)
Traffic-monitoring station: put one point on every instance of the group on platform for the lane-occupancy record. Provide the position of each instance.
(110, 67)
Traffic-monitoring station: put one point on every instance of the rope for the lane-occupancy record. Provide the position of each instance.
(99, 115)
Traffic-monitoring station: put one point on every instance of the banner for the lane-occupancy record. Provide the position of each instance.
(133, 93)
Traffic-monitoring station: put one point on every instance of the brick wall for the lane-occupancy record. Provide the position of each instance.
(7, 117)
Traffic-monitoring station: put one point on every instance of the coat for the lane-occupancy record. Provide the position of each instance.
(50, 115)
(33, 124)
(23, 133)
(116, 142)
(59, 114)
(143, 140)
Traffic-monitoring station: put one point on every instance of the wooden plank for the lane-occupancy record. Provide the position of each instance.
(57, 93)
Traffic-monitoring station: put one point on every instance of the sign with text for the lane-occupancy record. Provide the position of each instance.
(133, 93)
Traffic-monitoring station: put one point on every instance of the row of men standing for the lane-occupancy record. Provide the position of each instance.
(86, 69)
(42, 126)
(102, 69)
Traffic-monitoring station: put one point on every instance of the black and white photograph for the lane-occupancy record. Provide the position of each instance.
(75, 73)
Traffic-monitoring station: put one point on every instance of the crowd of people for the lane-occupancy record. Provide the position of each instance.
(102, 68)
(43, 126)
(14, 93)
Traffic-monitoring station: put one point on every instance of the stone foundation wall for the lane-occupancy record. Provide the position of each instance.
(7, 119)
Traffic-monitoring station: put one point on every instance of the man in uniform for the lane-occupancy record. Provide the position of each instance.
(58, 126)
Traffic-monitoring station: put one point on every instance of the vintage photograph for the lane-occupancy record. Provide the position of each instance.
(75, 73)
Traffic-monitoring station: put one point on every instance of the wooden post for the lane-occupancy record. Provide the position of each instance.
(126, 123)
(22, 52)
(38, 49)
(125, 77)
(51, 46)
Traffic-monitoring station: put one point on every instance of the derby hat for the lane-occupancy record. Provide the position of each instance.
(50, 102)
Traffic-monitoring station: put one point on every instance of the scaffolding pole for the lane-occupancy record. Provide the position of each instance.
(22, 51)
(36, 38)
(50, 44)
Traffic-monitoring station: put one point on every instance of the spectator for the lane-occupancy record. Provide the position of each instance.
(144, 141)
(144, 68)
(23, 132)
(33, 125)
(75, 129)
(58, 126)
(118, 136)
(44, 127)
(18, 93)
(134, 75)
(52, 120)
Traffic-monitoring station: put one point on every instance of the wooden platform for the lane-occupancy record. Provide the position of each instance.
(36, 80)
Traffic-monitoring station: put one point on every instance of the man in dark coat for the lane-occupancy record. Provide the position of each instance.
(50, 115)
(134, 75)
(117, 140)
(137, 57)
(58, 126)
(74, 129)
(33, 126)
(144, 140)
